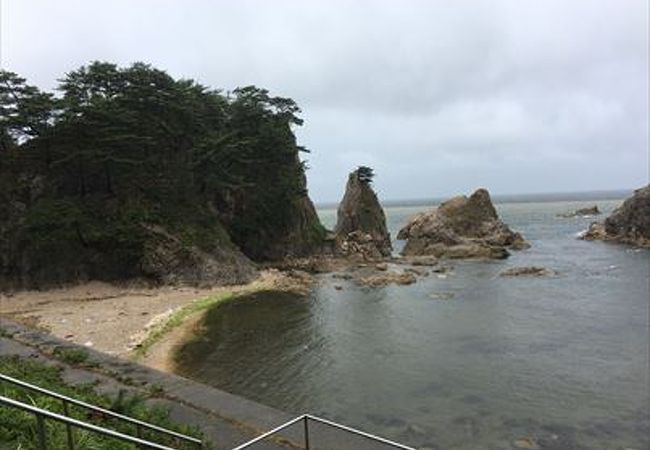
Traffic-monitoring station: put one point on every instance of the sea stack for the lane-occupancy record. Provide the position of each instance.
(461, 228)
(628, 224)
(361, 224)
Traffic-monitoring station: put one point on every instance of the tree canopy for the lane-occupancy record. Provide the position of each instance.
(365, 174)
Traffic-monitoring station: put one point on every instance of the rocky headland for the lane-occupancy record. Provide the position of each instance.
(628, 224)
(201, 201)
(461, 227)
(361, 231)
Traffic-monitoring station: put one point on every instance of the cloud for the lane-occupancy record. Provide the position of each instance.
(439, 97)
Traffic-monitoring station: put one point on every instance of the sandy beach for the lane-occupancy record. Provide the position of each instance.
(116, 319)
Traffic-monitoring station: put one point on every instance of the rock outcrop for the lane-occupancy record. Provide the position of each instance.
(461, 228)
(528, 271)
(386, 278)
(361, 224)
(628, 224)
(582, 212)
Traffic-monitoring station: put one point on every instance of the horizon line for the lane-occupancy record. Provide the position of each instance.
(501, 197)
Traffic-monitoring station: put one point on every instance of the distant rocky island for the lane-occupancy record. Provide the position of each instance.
(582, 212)
(628, 224)
(461, 227)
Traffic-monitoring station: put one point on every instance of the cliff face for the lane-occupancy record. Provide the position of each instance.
(628, 224)
(50, 241)
(461, 228)
(273, 219)
(361, 223)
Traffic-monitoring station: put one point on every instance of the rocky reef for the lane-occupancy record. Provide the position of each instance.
(461, 228)
(528, 271)
(361, 224)
(628, 224)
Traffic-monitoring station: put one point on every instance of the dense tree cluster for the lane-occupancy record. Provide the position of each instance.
(118, 150)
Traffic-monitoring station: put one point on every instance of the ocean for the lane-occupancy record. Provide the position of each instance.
(463, 360)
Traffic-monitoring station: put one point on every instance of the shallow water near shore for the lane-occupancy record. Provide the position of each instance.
(463, 362)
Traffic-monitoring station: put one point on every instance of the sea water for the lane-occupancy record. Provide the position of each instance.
(461, 361)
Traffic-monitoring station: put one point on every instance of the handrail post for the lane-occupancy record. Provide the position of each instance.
(40, 430)
(68, 428)
(138, 433)
(306, 432)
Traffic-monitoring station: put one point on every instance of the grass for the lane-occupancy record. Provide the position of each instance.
(18, 429)
(73, 356)
(178, 317)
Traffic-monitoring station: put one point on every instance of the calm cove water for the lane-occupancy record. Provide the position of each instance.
(463, 362)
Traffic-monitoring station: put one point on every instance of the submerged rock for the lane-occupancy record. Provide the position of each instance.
(592, 211)
(628, 224)
(386, 278)
(528, 271)
(461, 228)
(361, 224)
(527, 443)
(442, 296)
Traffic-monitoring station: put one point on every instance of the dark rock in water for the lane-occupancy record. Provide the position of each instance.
(592, 211)
(461, 228)
(528, 271)
(527, 443)
(386, 278)
(628, 224)
(361, 224)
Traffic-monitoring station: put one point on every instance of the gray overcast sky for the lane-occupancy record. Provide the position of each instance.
(440, 97)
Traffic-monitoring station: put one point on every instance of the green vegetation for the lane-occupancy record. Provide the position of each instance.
(178, 317)
(127, 169)
(365, 174)
(18, 429)
(73, 356)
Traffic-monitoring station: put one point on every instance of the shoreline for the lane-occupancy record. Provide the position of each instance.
(134, 323)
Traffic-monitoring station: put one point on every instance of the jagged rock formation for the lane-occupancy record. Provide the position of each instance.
(461, 228)
(592, 211)
(361, 224)
(628, 224)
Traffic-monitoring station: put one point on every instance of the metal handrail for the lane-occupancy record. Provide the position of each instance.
(358, 432)
(306, 418)
(42, 414)
(263, 436)
(68, 400)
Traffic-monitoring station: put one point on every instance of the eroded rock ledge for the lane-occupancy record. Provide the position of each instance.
(628, 224)
(461, 228)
